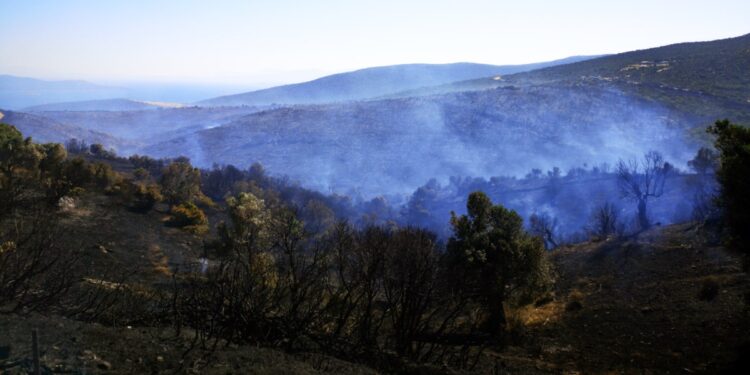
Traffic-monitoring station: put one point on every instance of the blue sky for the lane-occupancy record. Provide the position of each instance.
(263, 42)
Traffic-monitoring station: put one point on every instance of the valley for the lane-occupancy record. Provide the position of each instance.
(174, 213)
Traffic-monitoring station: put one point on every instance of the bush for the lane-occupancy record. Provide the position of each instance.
(189, 217)
(143, 197)
(180, 182)
(104, 176)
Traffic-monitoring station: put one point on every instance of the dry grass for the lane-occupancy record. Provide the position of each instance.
(159, 261)
(532, 316)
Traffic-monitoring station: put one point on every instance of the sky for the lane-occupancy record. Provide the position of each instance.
(255, 42)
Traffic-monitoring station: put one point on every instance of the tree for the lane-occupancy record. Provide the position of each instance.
(643, 180)
(181, 182)
(604, 220)
(499, 259)
(35, 270)
(545, 227)
(705, 161)
(733, 142)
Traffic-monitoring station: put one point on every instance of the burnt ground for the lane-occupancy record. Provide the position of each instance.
(662, 302)
(667, 301)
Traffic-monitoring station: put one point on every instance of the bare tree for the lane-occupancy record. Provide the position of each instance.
(604, 220)
(641, 180)
(545, 226)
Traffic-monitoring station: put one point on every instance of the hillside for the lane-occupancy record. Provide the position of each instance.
(21, 92)
(101, 105)
(113, 237)
(707, 79)
(665, 301)
(146, 287)
(589, 112)
(393, 146)
(141, 127)
(632, 305)
(374, 82)
(597, 110)
(44, 129)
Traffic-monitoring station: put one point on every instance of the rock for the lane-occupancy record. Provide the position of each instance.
(66, 203)
(159, 359)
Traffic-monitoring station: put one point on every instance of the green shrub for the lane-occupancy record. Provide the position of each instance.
(189, 217)
(141, 174)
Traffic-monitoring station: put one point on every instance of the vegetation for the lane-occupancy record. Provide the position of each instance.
(188, 216)
(498, 261)
(180, 182)
(733, 143)
(285, 269)
(38, 268)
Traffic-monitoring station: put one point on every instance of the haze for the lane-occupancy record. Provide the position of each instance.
(264, 43)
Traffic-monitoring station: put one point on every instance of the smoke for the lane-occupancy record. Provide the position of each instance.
(447, 144)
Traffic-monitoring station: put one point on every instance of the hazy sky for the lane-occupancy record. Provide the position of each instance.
(248, 42)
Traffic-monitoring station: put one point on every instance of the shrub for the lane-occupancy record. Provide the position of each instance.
(141, 174)
(103, 175)
(144, 197)
(189, 217)
(180, 182)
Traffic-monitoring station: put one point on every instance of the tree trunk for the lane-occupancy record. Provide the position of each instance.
(642, 215)
(496, 321)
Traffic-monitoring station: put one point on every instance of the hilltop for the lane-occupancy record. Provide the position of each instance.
(707, 79)
(374, 82)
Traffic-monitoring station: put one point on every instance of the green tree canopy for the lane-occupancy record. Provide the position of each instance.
(733, 142)
(498, 260)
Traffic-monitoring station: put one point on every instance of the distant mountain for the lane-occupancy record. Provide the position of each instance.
(374, 82)
(43, 129)
(102, 105)
(21, 92)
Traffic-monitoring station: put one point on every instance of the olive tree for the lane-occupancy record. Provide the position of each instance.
(500, 261)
